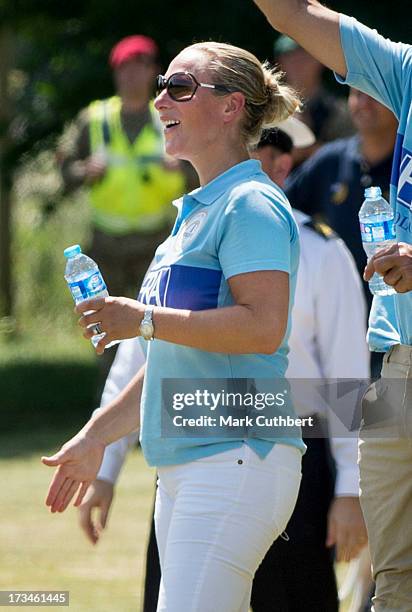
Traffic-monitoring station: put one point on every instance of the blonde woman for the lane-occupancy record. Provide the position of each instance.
(215, 304)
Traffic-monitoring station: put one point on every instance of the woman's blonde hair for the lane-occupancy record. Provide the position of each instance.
(268, 100)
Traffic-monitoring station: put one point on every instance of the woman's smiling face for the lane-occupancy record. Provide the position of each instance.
(198, 122)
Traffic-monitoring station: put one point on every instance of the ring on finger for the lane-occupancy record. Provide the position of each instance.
(97, 329)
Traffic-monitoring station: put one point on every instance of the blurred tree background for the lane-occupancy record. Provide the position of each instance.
(53, 62)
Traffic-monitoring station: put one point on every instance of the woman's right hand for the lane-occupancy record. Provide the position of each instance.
(78, 462)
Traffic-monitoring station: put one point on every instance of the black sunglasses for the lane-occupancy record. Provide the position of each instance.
(182, 86)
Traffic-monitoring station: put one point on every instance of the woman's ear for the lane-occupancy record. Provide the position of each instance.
(234, 104)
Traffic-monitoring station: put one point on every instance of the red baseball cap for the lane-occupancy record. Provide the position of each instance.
(132, 46)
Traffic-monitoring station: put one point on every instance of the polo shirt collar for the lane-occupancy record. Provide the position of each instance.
(218, 186)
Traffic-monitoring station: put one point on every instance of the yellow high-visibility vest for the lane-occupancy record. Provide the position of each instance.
(136, 192)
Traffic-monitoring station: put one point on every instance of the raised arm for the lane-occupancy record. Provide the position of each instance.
(313, 26)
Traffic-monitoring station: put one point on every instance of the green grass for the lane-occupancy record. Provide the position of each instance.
(44, 551)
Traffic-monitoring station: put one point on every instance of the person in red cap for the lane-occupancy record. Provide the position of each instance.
(131, 47)
(115, 147)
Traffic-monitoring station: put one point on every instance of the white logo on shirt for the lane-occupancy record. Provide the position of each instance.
(189, 230)
(155, 286)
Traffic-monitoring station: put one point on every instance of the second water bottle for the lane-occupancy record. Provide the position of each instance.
(377, 230)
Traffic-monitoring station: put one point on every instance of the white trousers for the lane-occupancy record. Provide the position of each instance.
(215, 520)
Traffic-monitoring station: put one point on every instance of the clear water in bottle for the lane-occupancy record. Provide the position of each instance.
(377, 230)
(84, 280)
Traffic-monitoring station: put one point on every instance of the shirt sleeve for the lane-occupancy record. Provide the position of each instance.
(376, 65)
(341, 325)
(128, 361)
(256, 234)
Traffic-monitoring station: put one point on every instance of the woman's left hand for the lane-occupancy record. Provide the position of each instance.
(118, 317)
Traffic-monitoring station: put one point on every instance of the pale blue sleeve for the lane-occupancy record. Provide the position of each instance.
(376, 65)
(382, 333)
(256, 234)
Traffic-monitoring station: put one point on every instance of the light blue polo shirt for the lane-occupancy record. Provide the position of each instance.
(239, 222)
(383, 69)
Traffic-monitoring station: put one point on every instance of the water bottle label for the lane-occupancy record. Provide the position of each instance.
(377, 232)
(87, 287)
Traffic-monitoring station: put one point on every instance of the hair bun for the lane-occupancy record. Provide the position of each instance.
(282, 100)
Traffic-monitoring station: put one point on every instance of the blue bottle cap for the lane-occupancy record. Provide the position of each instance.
(71, 251)
(373, 192)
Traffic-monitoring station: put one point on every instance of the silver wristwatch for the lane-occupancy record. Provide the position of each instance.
(146, 327)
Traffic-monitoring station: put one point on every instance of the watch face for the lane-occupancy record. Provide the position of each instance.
(146, 329)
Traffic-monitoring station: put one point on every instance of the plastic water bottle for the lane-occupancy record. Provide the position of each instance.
(85, 281)
(376, 224)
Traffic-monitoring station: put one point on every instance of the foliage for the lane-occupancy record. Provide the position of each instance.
(47, 370)
(44, 225)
